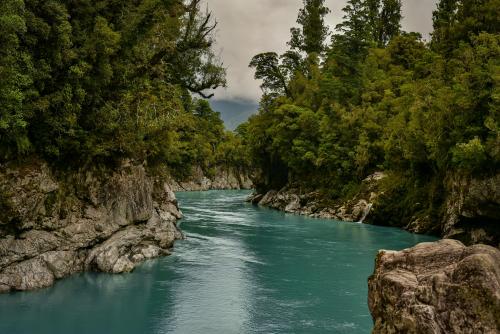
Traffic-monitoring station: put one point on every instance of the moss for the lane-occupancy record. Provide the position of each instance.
(5, 206)
(50, 202)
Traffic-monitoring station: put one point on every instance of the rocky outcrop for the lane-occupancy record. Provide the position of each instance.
(223, 179)
(473, 210)
(441, 287)
(55, 224)
(312, 204)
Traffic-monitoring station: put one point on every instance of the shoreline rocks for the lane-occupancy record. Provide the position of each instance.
(311, 204)
(52, 226)
(440, 287)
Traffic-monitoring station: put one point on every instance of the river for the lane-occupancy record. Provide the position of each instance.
(242, 269)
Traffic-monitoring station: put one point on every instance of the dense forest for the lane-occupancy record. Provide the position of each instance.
(85, 82)
(338, 106)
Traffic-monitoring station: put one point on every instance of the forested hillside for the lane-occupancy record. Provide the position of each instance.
(85, 82)
(367, 96)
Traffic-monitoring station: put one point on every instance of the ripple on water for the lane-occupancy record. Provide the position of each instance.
(242, 269)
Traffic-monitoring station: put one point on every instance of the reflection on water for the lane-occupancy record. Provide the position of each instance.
(242, 269)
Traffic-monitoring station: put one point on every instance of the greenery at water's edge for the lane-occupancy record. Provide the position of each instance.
(87, 82)
(376, 98)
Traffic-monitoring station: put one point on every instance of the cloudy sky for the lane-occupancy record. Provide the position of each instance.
(249, 27)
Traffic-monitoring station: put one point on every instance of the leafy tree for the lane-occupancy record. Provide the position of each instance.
(383, 99)
(15, 68)
(310, 38)
(456, 21)
(269, 69)
(97, 81)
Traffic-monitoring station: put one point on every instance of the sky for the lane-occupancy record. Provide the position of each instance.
(248, 27)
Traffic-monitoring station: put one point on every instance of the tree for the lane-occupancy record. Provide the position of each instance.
(193, 64)
(85, 82)
(355, 32)
(310, 38)
(15, 68)
(390, 21)
(271, 72)
(456, 21)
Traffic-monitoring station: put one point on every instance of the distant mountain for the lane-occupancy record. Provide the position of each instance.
(234, 112)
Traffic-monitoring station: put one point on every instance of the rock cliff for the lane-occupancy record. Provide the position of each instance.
(473, 210)
(55, 224)
(223, 179)
(441, 287)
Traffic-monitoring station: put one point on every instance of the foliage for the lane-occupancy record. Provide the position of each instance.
(310, 38)
(383, 99)
(96, 81)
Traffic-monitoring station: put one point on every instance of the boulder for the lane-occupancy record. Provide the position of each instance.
(440, 287)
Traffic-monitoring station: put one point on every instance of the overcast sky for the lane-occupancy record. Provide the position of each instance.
(249, 27)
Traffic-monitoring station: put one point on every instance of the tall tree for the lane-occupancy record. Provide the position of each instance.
(457, 21)
(311, 36)
(271, 72)
(444, 18)
(390, 21)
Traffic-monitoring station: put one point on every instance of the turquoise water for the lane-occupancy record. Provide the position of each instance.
(242, 269)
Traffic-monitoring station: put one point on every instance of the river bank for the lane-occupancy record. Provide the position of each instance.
(55, 223)
(469, 213)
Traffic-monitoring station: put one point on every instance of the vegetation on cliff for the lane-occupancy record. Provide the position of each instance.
(378, 98)
(98, 81)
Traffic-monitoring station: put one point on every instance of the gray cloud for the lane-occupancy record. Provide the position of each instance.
(250, 27)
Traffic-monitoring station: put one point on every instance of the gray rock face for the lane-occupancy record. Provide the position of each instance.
(473, 211)
(52, 226)
(224, 179)
(441, 287)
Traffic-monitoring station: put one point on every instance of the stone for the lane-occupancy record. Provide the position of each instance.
(64, 263)
(440, 287)
(223, 179)
(473, 210)
(53, 226)
(294, 204)
(27, 275)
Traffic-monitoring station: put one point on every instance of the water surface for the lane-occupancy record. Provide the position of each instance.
(242, 269)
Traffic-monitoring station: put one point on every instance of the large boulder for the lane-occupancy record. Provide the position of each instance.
(55, 224)
(440, 287)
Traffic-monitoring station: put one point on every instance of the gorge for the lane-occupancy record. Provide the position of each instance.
(379, 150)
(241, 269)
